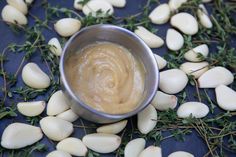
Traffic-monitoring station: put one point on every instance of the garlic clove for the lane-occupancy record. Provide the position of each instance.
(174, 40)
(161, 62)
(34, 77)
(29, 2)
(95, 5)
(193, 54)
(55, 128)
(134, 148)
(226, 98)
(102, 143)
(55, 46)
(68, 115)
(175, 4)
(194, 69)
(147, 119)
(77, 4)
(203, 17)
(185, 22)
(117, 3)
(72, 145)
(57, 103)
(161, 14)
(151, 151)
(31, 109)
(215, 77)
(173, 81)
(194, 109)
(19, 5)
(58, 153)
(114, 128)
(152, 40)
(180, 154)
(12, 15)
(66, 27)
(20, 135)
(163, 101)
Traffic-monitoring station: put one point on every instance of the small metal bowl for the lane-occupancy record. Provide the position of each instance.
(121, 36)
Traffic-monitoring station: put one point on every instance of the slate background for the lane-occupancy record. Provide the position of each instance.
(192, 143)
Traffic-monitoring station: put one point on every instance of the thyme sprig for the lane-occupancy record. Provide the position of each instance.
(218, 131)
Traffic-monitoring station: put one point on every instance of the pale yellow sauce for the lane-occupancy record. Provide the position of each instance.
(107, 77)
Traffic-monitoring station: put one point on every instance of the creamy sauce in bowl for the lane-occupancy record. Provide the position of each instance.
(107, 77)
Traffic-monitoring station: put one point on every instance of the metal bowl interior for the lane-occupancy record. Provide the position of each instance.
(121, 36)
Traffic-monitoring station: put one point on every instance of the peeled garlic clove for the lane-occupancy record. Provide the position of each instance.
(174, 40)
(180, 154)
(34, 77)
(194, 109)
(215, 77)
(58, 153)
(226, 98)
(161, 14)
(66, 27)
(56, 129)
(163, 101)
(28, 2)
(151, 151)
(19, 135)
(185, 22)
(134, 148)
(161, 62)
(114, 128)
(57, 103)
(55, 46)
(193, 54)
(194, 69)
(72, 145)
(102, 143)
(203, 17)
(147, 119)
(77, 4)
(173, 81)
(95, 5)
(152, 40)
(12, 15)
(68, 115)
(31, 109)
(19, 5)
(175, 4)
(117, 3)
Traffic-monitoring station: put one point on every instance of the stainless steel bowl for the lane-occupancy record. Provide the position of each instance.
(129, 40)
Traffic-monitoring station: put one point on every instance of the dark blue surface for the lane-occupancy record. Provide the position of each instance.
(192, 143)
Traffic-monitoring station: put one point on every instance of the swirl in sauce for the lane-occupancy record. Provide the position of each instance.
(107, 77)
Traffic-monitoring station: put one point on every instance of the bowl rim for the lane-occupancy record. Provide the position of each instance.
(68, 89)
